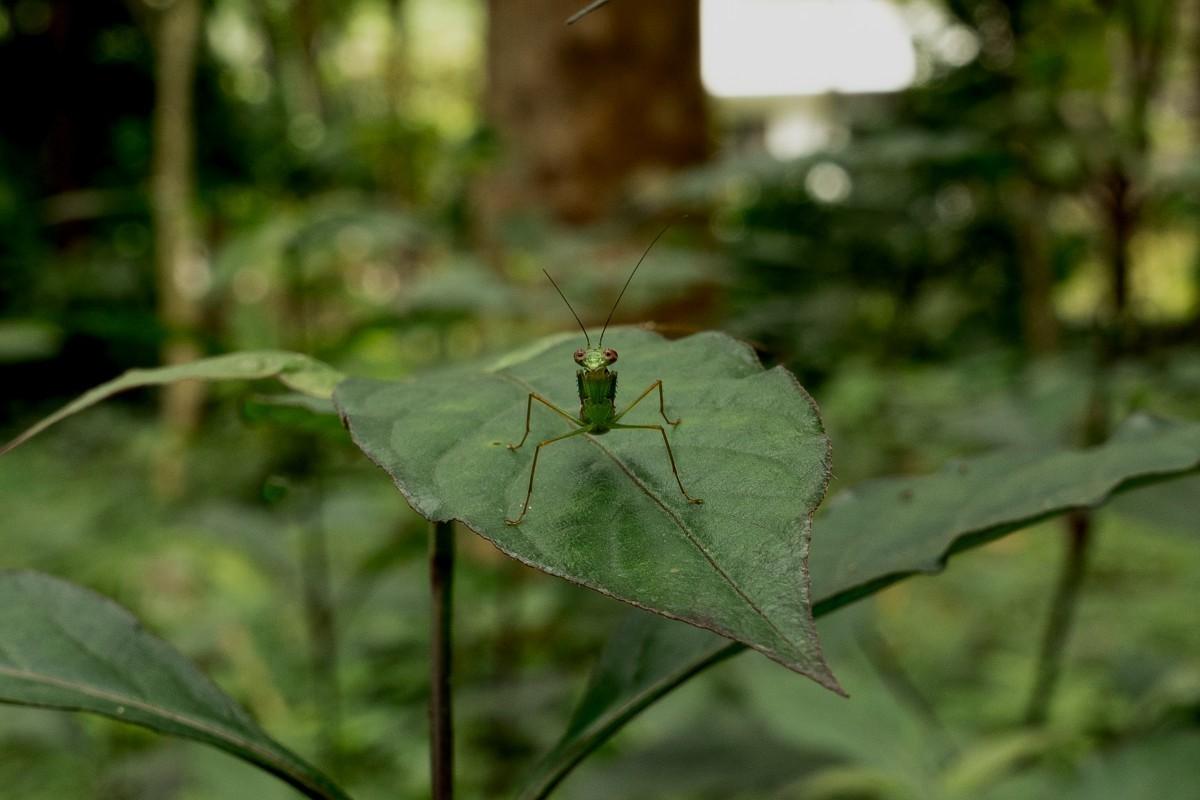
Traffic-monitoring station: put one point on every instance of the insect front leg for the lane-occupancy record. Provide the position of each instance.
(661, 407)
(670, 455)
(532, 470)
(529, 410)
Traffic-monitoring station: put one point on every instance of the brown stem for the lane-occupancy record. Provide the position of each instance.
(441, 718)
(1122, 219)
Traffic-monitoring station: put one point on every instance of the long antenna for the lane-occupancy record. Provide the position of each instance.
(568, 302)
(630, 278)
(578, 15)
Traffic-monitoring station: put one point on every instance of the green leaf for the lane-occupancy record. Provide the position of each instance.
(606, 510)
(870, 537)
(28, 340)
(718, 751)
(63, 647)
(1159, 764)
(973, 501)
(294, 370)
(296, 412)
(1172, 506)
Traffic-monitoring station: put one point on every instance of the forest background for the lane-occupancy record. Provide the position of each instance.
(993, 245)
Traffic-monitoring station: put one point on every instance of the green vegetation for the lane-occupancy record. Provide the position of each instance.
(309, 238)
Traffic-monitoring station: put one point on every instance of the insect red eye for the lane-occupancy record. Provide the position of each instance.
(610, 356)
(579, 356)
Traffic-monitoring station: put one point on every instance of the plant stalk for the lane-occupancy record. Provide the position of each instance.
(1062, 612)
(441, 718)
(320, 619)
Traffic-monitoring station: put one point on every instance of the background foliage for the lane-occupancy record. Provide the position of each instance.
(1004, 255)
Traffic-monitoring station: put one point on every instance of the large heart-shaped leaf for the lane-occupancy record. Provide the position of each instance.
(295, 370)
(64, 647)
(606, 510)
(868, 538)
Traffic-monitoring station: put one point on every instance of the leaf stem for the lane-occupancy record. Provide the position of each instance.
(441, 731)
(1062, 611)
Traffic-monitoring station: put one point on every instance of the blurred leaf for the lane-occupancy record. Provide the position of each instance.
(28, 340)
(294, 370)
(838, 783)
(63, 647)
(871, 537)
(1161, 765)
(1173, 505)
(463, 286)
(882, 734)
(973, 501)
(720, 753)
(988, 761)
(641, 661)
(295, 411)
(607, 512)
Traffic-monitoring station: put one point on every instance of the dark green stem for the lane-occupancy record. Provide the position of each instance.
(1062, 611)
(441, 718)
(322, 634)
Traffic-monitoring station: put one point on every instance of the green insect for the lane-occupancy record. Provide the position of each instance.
(597, 386)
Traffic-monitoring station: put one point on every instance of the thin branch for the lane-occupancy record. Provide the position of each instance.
(441, 718)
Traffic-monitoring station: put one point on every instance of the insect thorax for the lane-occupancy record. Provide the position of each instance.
(597, 396)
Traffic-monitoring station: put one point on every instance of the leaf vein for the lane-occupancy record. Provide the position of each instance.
(219, 732)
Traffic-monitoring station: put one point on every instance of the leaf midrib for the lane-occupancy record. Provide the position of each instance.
(217, 731)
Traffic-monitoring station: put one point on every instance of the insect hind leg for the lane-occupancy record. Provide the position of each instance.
(670, 455)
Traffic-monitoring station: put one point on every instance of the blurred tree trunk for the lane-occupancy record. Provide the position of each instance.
(176, 252)
(307, 20)
(1029, 203)
(398, 63)
(581, 110)
(1193, 22)
(1039, 324)
(1146, 27)
(292, 54)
